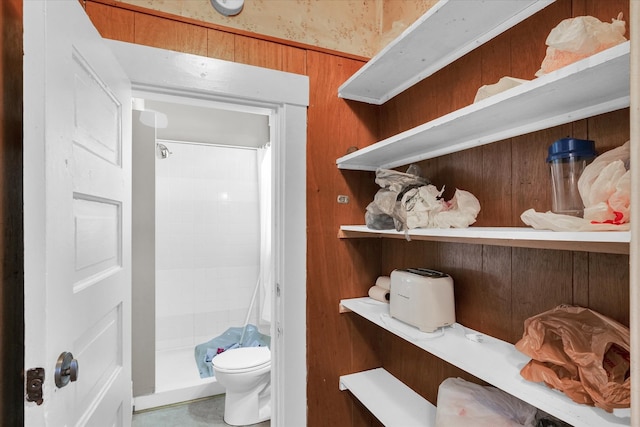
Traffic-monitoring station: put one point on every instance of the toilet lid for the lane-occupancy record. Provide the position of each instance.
(242, 358)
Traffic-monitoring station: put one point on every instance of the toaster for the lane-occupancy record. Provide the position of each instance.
(422, 298)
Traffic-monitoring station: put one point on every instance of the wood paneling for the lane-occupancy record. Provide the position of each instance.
(11, 246)
(112, 23)
(337, 344)
(170, 34)
(256, 52)
(268, 54)
(609, 285)
(294, 60)
(496, 186)
(220, 45)
(332, 130)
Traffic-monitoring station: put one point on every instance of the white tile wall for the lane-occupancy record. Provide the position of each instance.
(207, 242)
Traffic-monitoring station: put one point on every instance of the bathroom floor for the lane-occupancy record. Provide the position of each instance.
(198, 413)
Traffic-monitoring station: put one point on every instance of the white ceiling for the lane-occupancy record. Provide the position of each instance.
(210, 125)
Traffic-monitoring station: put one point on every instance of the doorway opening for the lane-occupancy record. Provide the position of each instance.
(202, 174)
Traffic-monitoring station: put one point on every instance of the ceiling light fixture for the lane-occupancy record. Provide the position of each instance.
(228, 7)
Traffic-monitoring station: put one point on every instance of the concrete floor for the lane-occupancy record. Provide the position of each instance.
(198, 413)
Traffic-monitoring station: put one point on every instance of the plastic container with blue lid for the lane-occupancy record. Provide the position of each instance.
(568, 157)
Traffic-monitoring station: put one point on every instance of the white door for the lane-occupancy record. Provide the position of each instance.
(77, 191)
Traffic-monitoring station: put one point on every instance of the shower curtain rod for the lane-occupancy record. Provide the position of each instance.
(242, 147)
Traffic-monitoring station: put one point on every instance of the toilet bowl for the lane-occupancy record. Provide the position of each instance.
(245, 373)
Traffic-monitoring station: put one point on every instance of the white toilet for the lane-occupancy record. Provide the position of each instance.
(245, 373)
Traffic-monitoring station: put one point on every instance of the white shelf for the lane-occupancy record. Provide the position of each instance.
(592, 86)
(616, 242)
(388, 399)
(492, 360)
(446, 32)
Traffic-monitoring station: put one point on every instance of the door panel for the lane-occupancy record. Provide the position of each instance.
(77, 213)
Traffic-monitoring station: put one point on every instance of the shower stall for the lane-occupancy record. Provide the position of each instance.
(211, 232)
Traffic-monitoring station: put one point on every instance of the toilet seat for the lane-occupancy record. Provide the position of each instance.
(243, 359)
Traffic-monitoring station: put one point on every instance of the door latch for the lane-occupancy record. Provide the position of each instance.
(35, 379)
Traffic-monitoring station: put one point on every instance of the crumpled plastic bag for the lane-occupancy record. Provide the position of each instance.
(581, 353)
(425, 208)
(580, 37)
(385, 212)
(463, 404)
(605, 189)
(503, 84)
(407, 201)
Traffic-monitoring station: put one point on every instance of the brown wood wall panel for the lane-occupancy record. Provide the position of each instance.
(609, 285)
(581, 278)
(259, 53)
(170, 34)
(541, 280)
(332, 130)
(494, 293)
(112, 23)
(336, 344)
(497, 187)
(294, 60)
(220, 45)
(609, 130)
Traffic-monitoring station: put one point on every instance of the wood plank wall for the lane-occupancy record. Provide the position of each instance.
(11, 238)
(496, 287)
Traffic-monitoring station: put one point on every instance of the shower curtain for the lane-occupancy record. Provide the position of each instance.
(264, 194)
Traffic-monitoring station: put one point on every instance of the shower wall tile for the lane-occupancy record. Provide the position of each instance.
(207, 236)
(210, 324)
(174, 331)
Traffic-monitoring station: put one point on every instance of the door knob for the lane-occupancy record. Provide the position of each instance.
(66, 369)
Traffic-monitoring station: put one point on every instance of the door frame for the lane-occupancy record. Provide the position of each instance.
(12, 386)
(153, 70)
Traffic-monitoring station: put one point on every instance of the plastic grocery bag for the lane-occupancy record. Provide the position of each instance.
(505, 83)
(466, 404)
(407, 201)
(425, 208)
(384, 212)
(605, 189)
(580, 352)
(577, 38)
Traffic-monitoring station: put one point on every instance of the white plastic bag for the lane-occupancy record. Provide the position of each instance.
(580, 37)
(425, 208)
(466, 404)
(505, 83)
(605, 189)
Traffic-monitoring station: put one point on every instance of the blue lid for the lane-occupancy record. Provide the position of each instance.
(570, 147)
